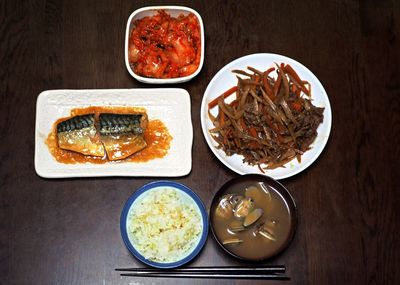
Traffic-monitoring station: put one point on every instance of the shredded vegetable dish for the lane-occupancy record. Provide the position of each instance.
(270, 121)
(162, 46)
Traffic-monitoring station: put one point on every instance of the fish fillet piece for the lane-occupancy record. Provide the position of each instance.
(79, 134)
(122, 134)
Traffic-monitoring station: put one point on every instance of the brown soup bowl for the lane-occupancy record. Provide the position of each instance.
(253, 217)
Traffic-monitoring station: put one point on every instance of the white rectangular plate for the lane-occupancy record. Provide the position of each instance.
(170, 105)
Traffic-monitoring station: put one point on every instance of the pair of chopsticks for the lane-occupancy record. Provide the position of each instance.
(271, 272)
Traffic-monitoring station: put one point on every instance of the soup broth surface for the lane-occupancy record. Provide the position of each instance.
(275, 222)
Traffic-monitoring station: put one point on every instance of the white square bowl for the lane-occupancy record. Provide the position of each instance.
(174, 11)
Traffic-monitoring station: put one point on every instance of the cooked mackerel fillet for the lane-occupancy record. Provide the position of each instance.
(118, 135)
(79, 134)
(122, 134)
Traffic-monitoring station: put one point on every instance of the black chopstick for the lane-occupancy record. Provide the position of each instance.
(210, 275)
(271, 272)
(220, 269)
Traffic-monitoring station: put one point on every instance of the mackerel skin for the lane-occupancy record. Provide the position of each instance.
(122, 134)
(79, 134)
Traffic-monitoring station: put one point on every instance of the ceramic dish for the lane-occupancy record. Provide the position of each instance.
(138, 206)
(171, 106)
(225, 79)
(266, 235)
(174, 11)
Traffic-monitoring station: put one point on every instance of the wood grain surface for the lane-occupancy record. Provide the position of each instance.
(66, 231)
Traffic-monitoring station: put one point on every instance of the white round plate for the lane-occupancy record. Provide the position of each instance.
(225, 79)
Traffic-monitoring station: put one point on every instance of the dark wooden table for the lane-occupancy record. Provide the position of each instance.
(66, 231)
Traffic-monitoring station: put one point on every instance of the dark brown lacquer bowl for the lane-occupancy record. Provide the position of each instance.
(253, 217)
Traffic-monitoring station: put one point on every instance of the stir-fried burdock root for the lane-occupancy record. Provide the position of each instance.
(271, 121)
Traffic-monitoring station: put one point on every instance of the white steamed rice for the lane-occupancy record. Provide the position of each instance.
(164, 224)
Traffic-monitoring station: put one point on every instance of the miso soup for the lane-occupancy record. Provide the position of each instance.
(252, 219)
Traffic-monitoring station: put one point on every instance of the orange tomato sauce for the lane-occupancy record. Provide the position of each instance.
(156, 136)
(161, 46)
